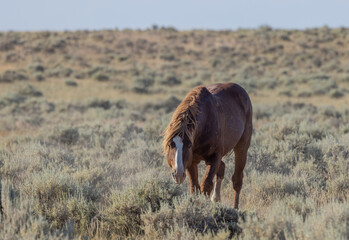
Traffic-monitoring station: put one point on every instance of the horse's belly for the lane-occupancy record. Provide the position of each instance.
(232, 133)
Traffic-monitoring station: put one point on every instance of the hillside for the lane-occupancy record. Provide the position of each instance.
(81, 117)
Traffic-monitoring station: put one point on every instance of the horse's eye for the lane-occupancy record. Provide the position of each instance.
(172, 145)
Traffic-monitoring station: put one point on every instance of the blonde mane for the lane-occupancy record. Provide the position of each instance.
(183, 122)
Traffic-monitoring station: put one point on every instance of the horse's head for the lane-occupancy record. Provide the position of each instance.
(179, 157)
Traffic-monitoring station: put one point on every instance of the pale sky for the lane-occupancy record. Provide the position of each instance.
(34, 15)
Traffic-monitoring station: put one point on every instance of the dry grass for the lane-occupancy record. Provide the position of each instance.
(85, 161)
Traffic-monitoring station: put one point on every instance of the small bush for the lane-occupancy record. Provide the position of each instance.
(197, 214)
(68, 136)
(170, 80)
(280, 223)
(344, 79)
(71, 83)
(167, 56)
(169, 105)
(39, 77)
(123, 216)
(122, 58)
(12, 57)
(286, 93)
(142, 84)
(54, 44)
(304, 94)
(334, 93)
(36, 67)
(323, 86)
(11, 76)
(157, 191)
(20, 222)
(29, 91)
(101, 77)
(99, 103)
(102, 73)
(59, 72)
(59, 198)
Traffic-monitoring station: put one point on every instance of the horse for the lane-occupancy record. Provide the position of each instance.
(210, 123)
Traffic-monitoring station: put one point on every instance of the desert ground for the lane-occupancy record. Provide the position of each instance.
(81, 121)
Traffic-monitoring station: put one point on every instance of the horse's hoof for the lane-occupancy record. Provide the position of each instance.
(215, 199)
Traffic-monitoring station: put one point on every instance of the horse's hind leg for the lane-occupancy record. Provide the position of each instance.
(240, 162)
(240, 151)
(216, 196)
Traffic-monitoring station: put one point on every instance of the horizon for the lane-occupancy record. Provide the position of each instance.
(170, 27)
(79, 15)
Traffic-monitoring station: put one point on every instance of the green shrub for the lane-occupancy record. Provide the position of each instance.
(102, 73)
(29, 91)
(59, 198)
(157, 191)
(99, 103)
(71, 83)
(20, 222)
(122, 58)
(170, 80)
(101, 77)
(279, 223)
(59, 71)
(11, 76)
(305, 94)
(25, 99)
(142, 84)
(54, 44)
(334, 93)
(82, 212)
(344, 79)
(197, 214)
(167, 56)
(169, 105)
(12, 57)
(123, 216)
(69, 136)
(39, 77)
(36, 67)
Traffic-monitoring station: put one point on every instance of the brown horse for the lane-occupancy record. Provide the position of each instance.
(208, 124)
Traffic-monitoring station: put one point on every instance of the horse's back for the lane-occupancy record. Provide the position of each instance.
(231, 93)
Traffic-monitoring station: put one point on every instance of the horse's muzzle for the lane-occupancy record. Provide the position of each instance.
(178, 177)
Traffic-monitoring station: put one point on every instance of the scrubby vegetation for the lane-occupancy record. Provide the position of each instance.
(81, 116)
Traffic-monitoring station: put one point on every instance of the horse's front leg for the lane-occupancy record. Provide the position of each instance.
(193, 178)
(216, 195)
(212, 166)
